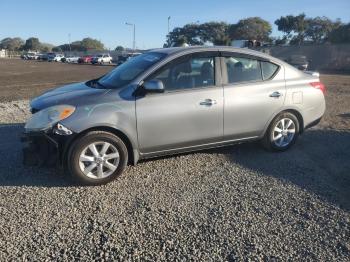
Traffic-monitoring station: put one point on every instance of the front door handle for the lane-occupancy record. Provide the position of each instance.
(276, 94)
(208, 102)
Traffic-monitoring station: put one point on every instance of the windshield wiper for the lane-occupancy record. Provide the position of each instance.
(95, 84)
(101, 85)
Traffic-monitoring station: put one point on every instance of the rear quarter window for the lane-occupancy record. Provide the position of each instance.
(268, 70)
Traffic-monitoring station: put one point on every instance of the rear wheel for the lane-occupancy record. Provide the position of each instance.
(97, 158)
(282, 132)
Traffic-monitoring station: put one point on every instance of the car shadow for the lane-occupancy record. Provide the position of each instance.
(345, 115)
(12, 171)
(318, 163)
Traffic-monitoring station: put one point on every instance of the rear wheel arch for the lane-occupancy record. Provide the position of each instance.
(287, 135)
(287, 110)
(298, 116)
(132, 159)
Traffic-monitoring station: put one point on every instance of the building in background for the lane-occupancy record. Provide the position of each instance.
(3, 53)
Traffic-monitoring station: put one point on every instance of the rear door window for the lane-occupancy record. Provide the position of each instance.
(241, 69)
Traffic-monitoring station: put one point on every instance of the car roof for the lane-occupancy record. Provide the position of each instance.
(176, 50)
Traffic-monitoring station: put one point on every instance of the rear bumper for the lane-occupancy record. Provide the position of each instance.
(44, 149)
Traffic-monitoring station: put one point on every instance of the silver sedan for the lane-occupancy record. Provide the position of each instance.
(169, 101)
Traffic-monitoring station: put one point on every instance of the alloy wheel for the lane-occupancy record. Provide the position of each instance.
(99, 160)
(283, 132)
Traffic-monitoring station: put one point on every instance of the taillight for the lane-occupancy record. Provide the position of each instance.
(319, 85)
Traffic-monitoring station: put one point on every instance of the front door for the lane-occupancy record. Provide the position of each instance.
(188, 113)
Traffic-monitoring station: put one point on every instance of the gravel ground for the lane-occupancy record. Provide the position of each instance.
(240, 203)
(212, 205)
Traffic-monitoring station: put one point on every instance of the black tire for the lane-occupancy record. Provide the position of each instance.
(268, 142)
(81, 143)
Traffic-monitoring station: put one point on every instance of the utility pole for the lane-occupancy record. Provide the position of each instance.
(169, 17)
(134, 33)
(70, 48)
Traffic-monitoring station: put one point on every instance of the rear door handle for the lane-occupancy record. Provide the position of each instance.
(276, 94)
(208, 102)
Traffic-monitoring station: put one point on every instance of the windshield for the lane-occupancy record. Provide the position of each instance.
(125, 73)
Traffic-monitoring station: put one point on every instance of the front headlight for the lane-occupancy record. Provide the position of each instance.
(47, 117)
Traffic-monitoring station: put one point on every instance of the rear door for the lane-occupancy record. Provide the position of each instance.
(254, 90)
(189, 112)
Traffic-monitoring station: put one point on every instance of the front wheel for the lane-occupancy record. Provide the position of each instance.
(97, 158)
(282, 132)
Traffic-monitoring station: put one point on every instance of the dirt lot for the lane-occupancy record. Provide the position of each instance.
(22, 79)
(233, 204)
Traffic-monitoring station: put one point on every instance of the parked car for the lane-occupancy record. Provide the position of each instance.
(30, 56)
(246, 43)
(39, 56)
(102, 59)
(85, 59)
(298, 61)
(70, 59)
(122, 59)
(162, 102)
(55, 57)
(44, 57)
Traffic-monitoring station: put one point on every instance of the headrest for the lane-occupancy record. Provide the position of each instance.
(207, 68)
(238, 65)
(184, 67)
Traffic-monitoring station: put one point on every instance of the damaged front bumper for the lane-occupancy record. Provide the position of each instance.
(45, 148)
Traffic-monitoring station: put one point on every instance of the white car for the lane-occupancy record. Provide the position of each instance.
(32, 56)
(55, 57)
(71, 59)
(102, 59)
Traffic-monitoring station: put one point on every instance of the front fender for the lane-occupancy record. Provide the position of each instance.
(118, 115)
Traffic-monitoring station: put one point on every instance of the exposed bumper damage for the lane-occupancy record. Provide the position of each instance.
(44, 148)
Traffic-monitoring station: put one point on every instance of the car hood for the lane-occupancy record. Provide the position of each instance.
(72, 94)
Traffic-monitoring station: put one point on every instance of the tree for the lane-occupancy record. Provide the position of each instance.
(119, 48)
(189, 34)
(299, 28)
(92, 44)
(319, 28)
(214, 32)
(80, 46)
(32, 43)
(280, 41)
(46, 47)
(12, 44)
(57, 49)
(75, 46)
(341, 34)
(253, 28)
(294, 27)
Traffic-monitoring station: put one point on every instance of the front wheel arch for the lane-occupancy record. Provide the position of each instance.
(132, 159)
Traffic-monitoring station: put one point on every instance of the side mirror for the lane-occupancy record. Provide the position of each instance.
(153, 86)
